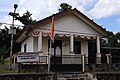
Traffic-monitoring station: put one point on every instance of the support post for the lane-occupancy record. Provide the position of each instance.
(98, 44)
(40, 42)
(71, 43)
(98, 55)
(49, 56)
(12, 35)
(83, 62)
(49, 61)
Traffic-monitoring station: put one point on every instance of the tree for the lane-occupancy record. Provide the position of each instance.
(5, 40)
(112, 41)
(64, 6)
(25, 19)
(106, 42)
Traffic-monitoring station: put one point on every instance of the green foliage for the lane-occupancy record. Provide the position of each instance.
(64, 6)
(25, 19)
(4, 68)
(5, 40)
(112, 41)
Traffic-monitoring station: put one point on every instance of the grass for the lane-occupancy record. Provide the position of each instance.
(4, 68)
(7, 71)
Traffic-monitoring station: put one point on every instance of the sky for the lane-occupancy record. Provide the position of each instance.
(105, 13)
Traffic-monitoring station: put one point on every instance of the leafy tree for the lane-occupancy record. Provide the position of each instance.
(105, 42)
(5, 40)
(25, 19)
(64, 6)
(112, 41)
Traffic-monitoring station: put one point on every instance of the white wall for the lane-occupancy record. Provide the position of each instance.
(84, 47)
(65, 47)
(68, 23)
(35, 44)
(71, 23)
(29, 42)
(45, 45)
(32, 44)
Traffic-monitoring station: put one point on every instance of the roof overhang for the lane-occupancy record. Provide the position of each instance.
(47, 20)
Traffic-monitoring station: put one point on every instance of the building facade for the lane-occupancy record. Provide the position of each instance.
(72, 33)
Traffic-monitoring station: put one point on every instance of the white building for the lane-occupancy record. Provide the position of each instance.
(73, 31)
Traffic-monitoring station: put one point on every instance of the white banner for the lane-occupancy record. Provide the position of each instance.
(27, 57)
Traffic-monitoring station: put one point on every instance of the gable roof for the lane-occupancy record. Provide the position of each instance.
(75, 12)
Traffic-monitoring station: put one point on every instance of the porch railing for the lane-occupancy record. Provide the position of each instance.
(71, 59)
(103, 67)
(66, 59)
(76, 59)
(43, 59)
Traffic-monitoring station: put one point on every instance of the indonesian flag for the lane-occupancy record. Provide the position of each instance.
(52, 30)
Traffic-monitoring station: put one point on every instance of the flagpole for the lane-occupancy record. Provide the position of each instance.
(49, 56)
(51, 40)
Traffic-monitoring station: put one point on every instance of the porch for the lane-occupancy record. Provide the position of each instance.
(70, 63)
(65, 44)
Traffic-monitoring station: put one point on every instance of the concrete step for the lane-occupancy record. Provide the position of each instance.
(73, 76)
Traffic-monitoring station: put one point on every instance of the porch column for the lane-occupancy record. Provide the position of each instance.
(98, 55)
(40, 42)
(83, 62)
(71, 43)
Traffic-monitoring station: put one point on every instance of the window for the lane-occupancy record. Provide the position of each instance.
(25, 47)
(77, 47)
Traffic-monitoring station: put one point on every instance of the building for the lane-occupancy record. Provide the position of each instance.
(72, 33)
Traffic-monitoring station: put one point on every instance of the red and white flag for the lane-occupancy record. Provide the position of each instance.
(52, 30)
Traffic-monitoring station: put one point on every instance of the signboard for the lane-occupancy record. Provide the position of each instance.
(27, 57)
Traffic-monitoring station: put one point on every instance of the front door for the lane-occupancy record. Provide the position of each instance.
(56, 58)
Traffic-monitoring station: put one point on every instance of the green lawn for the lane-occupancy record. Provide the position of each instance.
(7, 71)
(4, 68)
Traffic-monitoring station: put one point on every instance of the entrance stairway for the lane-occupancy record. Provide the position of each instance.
(74, 76)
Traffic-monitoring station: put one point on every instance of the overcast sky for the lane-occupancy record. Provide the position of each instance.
(104, 12)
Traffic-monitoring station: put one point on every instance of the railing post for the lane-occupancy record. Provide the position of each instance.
(83, 62)
(108, 61)
(49, 56)
(108, 58)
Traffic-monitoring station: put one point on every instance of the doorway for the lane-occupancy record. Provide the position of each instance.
(56, 57)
